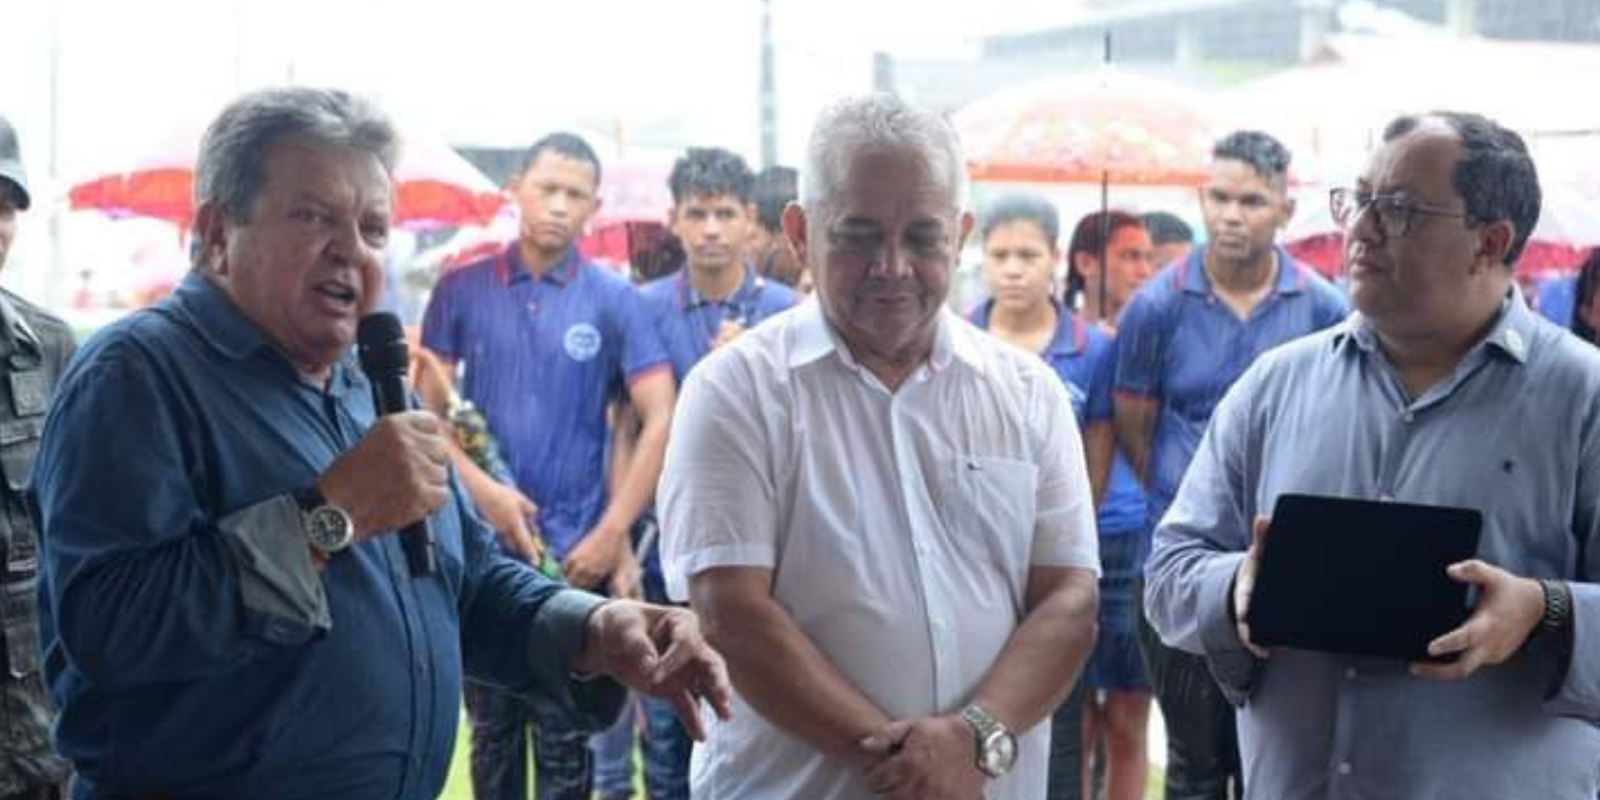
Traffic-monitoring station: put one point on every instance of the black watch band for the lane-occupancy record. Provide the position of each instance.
(309, 498)
(1557, 609)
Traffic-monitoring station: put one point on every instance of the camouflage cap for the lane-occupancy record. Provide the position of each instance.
(11, 162)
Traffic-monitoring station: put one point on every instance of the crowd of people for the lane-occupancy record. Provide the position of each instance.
(778, 518)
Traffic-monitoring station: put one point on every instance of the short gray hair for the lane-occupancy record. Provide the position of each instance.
(879, 120)
(229, 173)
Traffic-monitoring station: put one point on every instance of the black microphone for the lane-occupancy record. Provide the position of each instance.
(384, 357)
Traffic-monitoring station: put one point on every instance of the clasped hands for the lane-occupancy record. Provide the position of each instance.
(933, 758)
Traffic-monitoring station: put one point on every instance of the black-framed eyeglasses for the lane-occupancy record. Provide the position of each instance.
(1394, 212)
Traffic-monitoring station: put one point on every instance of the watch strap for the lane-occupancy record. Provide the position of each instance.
(309, 498)
(1557, 607)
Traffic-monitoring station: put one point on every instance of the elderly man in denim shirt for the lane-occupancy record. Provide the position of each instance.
(1444, 389)
(224, 610)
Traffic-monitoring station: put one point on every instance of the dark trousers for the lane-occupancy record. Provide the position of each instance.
(39, 793)
(501, 726)
(1066, 747)
(1202, 742)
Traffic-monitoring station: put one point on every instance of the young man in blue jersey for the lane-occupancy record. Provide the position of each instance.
(715, 297)
(543, 340)
(1186, 336)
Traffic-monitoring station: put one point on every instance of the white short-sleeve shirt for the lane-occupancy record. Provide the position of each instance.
(900, 526)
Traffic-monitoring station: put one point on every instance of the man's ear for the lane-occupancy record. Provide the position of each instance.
(1288, 209)
(1495, 241)
(210, 235)
(968, 222)
(795, 224)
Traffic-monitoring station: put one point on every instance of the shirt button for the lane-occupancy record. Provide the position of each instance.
(1409, 417)
(937, 623)
(1386, 498)
(1350, 674)
(1345, 768)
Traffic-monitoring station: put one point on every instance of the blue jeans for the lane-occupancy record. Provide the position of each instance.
(613, 755)
(501, 724)
(664, 744)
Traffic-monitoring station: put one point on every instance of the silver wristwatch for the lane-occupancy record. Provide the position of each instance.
(327, 527)
(997, 746)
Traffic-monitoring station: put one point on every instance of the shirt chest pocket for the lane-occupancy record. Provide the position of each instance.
(19, 442)
(988, 508)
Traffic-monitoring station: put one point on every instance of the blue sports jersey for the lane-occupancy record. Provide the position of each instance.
(541, 358)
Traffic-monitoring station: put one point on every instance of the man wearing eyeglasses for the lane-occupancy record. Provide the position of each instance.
(1184, 338)
(1443, 388)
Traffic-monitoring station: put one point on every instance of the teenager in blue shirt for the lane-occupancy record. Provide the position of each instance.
(715, 297)
(544, 339)
(1110, 257)
(1185, 338)
(1020, 265)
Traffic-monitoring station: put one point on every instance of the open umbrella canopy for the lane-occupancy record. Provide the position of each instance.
(435, 186)
(634, 205)
(1103, 126)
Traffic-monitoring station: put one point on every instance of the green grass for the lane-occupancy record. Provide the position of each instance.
(459, 785)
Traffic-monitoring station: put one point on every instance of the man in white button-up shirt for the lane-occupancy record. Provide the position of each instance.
(881, 513)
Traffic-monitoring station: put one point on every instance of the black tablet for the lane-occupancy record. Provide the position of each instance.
(1361, 576)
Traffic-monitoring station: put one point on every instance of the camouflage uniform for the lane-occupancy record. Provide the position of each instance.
(34, 348)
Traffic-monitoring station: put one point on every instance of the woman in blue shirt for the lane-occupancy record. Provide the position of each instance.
(1022, 263)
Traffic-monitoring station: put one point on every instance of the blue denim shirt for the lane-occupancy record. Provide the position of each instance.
(179, 664)
(542, 358)
(1514, 432)
(1181, 345)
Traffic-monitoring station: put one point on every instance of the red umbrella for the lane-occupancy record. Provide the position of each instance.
(1105, 126)
(635, 203)
(435, 186)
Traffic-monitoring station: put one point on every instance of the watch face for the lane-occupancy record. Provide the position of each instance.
(999, 753)
(329, 529)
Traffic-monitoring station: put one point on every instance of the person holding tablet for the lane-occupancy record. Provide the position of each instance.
(1442, 389)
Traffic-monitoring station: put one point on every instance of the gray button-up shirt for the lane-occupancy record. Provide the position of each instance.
(1514, 433)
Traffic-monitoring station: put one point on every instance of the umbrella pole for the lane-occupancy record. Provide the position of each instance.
(1105, 240)
(1105, 205)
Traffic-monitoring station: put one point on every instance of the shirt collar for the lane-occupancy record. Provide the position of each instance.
(1192, 277)
(1071, 334)
(223, 327)
(815, 338)
(1511, 336)
(744, 296)
(510, 268)
(1068, 340)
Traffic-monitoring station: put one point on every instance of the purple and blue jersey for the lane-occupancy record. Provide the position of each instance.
(1182, 346)
(542, 358)
(688, 322)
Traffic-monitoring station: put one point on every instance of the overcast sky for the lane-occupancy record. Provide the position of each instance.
(491, 72)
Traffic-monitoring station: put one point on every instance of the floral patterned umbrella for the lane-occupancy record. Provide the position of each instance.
(1104, 126)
